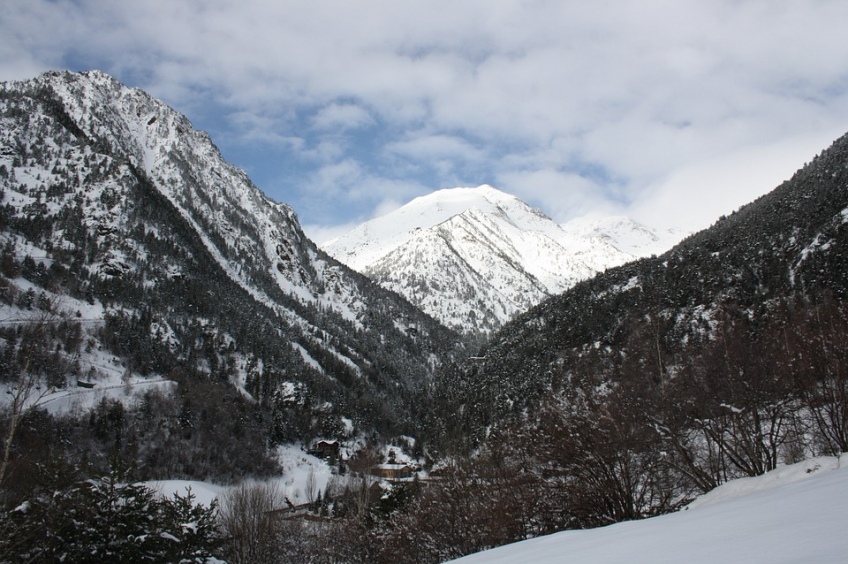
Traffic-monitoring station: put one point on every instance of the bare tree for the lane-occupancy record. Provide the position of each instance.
(360, 479)
(311, 486)
(819, 342)
(29, 387)
(248, 524)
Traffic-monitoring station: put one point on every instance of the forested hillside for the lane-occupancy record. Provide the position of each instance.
(128, 241)
(654, 382)
(762, 275)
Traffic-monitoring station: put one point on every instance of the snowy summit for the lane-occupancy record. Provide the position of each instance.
(474, 257)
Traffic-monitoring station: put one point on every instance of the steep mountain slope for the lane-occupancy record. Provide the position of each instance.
(112, 197)
(730, 303)
(474, 257)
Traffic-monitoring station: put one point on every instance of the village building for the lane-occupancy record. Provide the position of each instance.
(393, 471)
(326, 449)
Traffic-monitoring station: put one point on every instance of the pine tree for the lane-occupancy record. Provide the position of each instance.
(191, 527)
(108, 520)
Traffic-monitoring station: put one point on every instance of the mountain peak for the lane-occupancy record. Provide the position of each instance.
(465, 196)
(376, 238)
(627, 234)
(474, 257)
(107, 183)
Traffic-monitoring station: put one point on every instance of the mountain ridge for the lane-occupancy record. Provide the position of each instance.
(122, 192)
(475, 257)
(777, 254)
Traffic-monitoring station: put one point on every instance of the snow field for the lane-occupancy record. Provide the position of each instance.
(794, 514)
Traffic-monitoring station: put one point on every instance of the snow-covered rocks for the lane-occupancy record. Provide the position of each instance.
(474, 257)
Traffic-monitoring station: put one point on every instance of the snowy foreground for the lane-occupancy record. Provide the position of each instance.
(795, 514)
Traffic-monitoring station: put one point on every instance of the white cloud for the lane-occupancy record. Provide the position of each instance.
(592, 105)
(694, 197)
(342, 117)
(424, 147)
(348, 185)
(562, 195)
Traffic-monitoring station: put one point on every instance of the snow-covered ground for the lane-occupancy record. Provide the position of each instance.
(95, 366)
(297, 467)
(203, 492)
(80, 400)
(795, 514)
(301, 472)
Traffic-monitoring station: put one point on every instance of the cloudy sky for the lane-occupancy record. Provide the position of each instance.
(674, 111)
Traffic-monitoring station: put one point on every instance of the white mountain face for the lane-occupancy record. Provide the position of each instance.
(236, 222)
(625, 234)
(125, 191)
(474, 257)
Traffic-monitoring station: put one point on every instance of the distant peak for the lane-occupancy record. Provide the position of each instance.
(461, 193)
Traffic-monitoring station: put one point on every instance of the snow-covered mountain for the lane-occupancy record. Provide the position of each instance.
(625, 234)
(474, 257)
(757, 278)
(115, 198)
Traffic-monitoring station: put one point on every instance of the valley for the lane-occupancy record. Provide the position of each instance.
(462, 360)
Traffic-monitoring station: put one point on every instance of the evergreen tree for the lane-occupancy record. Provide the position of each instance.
(193, 528)
(107, 519)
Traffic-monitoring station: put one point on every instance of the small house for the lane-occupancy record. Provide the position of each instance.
(328, 450)
(392, 471)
